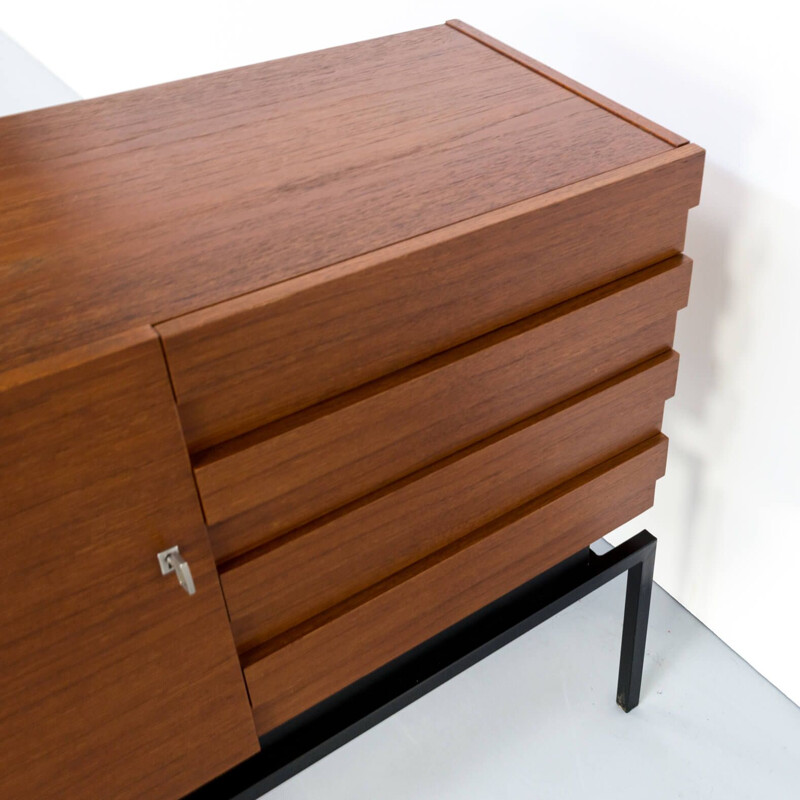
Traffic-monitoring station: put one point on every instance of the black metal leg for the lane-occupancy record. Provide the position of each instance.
(634, 630)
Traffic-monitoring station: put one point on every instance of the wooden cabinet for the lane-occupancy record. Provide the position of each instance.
(372, 335)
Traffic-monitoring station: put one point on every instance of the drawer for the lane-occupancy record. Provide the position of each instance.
(316, 567)
(240, 364)
(288, 473)
(305, 665)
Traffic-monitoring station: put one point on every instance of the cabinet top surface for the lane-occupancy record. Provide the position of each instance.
(135, 208)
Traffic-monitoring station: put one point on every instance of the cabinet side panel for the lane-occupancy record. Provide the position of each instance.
(116, 683)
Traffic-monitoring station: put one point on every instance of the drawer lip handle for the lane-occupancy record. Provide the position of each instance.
(171, 560)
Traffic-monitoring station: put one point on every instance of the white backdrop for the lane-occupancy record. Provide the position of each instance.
(722, 74)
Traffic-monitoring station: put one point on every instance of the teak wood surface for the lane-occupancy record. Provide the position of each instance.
(313, 570)
(386, 314)
(315, 461)
(240, 364)
(568, 83)
(116, 683)
(148, 204)
(307, 664)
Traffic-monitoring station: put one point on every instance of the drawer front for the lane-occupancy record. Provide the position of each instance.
(307, 664)
(242, 363)
(293, 471)
(315, 568)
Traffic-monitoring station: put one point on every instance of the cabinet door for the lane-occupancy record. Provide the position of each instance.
(116, 682)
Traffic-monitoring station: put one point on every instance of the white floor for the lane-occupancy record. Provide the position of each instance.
(538, 719)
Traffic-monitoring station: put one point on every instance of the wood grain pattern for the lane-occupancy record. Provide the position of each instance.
(300, 467)
(302, 667)
(314, 569)
(568, 83)
(241, 364)
(390, 311)
(145, 205)
(116, 684)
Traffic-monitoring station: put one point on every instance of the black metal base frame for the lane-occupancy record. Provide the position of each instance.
(314, 734)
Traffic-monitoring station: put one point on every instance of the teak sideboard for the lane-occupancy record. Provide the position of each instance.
(303, 363)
